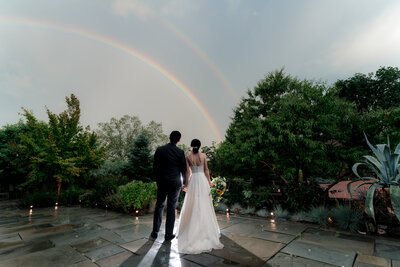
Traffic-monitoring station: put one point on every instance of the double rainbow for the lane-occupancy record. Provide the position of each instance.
(120, 46)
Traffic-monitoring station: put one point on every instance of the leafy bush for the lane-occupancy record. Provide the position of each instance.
(234, 194)
(302, 196)
(103, 188)
(71, 196)
(109, 168)
(39, 199)
(135, 195)
(261, 197)
(347, 218)
(242, 192)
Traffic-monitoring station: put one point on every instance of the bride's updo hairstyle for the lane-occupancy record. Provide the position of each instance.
(196, 144)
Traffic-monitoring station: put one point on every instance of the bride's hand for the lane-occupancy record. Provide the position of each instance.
(184, 188)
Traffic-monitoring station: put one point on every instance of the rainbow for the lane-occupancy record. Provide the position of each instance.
(122, 47)
(202, 56)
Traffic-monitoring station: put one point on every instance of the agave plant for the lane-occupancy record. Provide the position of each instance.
(385, 166)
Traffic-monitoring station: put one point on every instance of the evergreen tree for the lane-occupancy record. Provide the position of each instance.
(139, 165)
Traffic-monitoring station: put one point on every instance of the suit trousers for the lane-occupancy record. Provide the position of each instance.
(171, 193)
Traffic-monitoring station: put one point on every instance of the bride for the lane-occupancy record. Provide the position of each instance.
(198, 230)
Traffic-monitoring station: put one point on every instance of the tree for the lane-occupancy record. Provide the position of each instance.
(140, 161)
(60, 151)
(373, 91)
(288, 129)
(118, 135)
(13, 171)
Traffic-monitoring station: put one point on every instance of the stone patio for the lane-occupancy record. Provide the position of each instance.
(75, 236)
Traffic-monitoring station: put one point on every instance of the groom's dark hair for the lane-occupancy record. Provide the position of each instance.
(174, 137)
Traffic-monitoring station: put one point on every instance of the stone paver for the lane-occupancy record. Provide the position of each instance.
(75, 236)
(395, 263)
(104, 252)
(320, 254)
(90, 245)
(115, 260)
(387, 248)
(368, 260)
(57, 256)
(337, 241)
(286, 260)
(26, 249)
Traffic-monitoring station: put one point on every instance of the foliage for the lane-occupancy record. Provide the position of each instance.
(301, 216)
(39, 199)
(288, 129)
(185, 148)
(135, 195)
(385, 168)
(211, 158)
(320, 215)
(109, 168)
(262, 213)
(103, 188)
(279, 212)
(71, 196)
(218, 190)
(13, 170)
(240, 191)
(234, 193)
(60, 151)
(347, 218)
(118, 135)
(139, 165)
(302, 196)
(373, 91)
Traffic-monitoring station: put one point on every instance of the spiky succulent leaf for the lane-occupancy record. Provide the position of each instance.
(369, 201)
(394, 191)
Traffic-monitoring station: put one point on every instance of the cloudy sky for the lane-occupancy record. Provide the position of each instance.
(180, 62)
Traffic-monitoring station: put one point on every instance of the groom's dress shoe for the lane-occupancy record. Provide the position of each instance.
(169, 237)
(153, 235)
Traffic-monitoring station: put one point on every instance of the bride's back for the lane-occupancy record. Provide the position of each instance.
(196, 160)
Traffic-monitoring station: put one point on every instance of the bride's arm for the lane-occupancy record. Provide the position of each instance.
(207, 171)
(188, 173)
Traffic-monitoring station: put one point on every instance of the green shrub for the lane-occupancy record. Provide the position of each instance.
(241, 191)
(103, 188)
(234, 194)
(302, 196)
(319, 215)
(347, 218)
(281, 213)
(39, 199)
(135, 195)
(301, 216)
(71, 195)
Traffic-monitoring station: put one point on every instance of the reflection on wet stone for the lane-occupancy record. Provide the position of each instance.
(75, 236)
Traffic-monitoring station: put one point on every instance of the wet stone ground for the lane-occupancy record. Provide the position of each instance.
(74, 236)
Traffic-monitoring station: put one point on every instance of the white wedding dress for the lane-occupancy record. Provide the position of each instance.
(198, 230)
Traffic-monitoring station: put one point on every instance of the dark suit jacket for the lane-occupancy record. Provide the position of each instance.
(169, 164)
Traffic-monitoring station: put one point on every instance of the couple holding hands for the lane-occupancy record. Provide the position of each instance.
(198, 230)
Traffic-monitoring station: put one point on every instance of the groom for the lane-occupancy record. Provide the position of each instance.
(169, 166)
